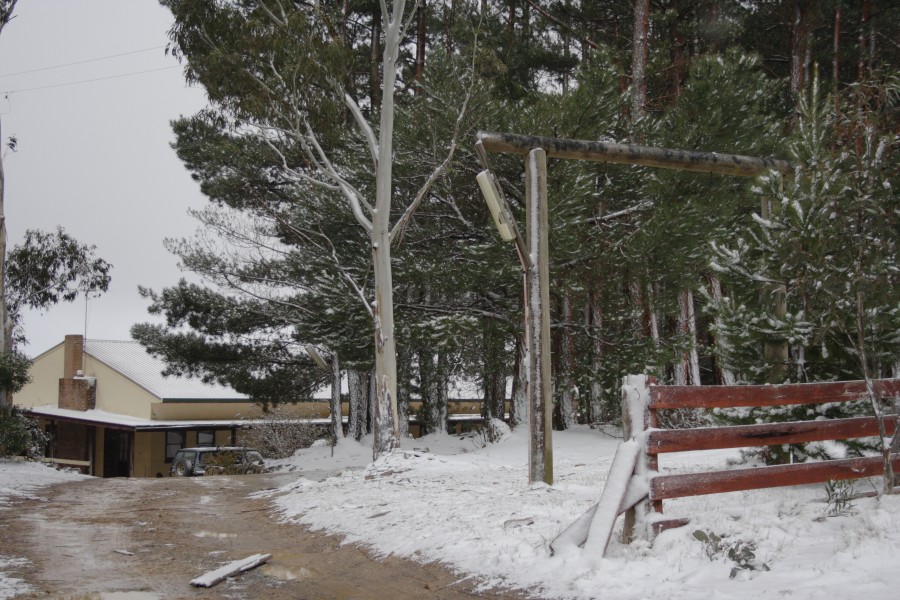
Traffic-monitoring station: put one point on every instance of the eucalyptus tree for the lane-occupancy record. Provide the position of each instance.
(276, 71)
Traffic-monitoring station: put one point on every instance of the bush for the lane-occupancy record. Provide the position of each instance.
(20, 435)
(279, 436)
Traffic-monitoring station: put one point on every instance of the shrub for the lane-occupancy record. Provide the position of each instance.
(20, 435)
(279, 436)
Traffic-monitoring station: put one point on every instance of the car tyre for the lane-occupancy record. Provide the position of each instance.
(180, 469)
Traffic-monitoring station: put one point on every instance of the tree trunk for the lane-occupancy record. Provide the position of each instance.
(724, 375)
(518, 413)
(358, 392)
(836, 63)
(594, 318)
(639, 58)
(375, 86)
(568, 394)
(687, 371)
(420, 43)
(5, 338)
(337, 421)
(387, 422)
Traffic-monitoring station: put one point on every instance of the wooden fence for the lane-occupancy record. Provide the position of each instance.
(661, 441)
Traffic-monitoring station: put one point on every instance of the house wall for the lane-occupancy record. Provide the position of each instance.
(118, 394)
(46, 371)
(174, 411)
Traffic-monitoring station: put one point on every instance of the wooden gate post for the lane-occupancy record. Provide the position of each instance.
(636, 418)
(538, 283)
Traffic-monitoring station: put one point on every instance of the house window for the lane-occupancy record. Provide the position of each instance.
(174, 443)
(206, 437)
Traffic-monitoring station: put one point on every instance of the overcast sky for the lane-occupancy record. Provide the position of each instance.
(95, 157)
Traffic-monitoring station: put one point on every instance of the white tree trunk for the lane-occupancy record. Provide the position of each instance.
(715, 290)
(687, 369)
(520, 387)
(387, 421)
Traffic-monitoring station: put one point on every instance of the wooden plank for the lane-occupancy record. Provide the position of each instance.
(576, 534)
(745, 436)
(620, 475)
(717, 482)
(666, 158)
(233, 568)
(713, 396)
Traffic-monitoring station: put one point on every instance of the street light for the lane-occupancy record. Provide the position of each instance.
(493, 199)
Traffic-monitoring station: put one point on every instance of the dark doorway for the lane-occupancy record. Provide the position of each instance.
(116, 453)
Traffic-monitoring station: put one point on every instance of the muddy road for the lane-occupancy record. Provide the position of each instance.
(148, 538)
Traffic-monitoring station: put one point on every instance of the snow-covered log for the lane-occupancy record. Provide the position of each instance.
(233, 568)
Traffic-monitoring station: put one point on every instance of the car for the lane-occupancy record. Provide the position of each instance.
(216, 460)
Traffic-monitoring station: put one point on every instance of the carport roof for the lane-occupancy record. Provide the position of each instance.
(116, 421)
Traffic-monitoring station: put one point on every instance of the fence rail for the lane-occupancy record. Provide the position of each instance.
(661, 441)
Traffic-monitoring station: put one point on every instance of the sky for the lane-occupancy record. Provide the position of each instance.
(95, 157)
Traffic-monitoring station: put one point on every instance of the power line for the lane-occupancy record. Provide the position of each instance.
(57, 85)
(81, 62)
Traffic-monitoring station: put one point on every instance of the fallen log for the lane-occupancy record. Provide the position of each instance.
(239, 566)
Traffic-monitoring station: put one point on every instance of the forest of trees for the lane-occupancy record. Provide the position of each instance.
(696, 279)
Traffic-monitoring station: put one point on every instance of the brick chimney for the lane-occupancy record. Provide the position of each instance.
(76, 392)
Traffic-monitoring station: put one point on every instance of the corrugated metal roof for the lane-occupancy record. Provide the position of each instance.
(134, 362)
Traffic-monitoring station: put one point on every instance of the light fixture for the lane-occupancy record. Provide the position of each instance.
(492, 198)
(316, 357)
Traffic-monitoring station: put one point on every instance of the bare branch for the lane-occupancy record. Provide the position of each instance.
(364, 126)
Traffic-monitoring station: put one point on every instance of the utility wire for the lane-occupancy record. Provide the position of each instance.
(57, 85)
(81, 62)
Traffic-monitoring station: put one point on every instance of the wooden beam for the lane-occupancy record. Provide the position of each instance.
(666, 158)
(769, 434)
(686, 396)
(717, 482)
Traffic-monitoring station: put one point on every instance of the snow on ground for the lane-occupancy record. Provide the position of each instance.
(20, 479)
(449, 499)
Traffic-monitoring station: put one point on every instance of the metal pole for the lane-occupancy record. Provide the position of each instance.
(538, 282)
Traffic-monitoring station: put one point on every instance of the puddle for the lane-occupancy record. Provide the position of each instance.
(282, 573)
(124, 596)
(205, 534)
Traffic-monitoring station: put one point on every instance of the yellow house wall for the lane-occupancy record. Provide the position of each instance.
(118, 394)
(183, 411)
(46, 371)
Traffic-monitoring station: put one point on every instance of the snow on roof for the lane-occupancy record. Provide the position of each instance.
(102, 417)
(133, 361)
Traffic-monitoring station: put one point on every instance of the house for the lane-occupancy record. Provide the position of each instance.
(111, 412)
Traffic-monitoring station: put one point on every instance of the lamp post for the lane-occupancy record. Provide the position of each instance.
(534, 258)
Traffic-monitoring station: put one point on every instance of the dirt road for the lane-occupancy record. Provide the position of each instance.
(147, 538)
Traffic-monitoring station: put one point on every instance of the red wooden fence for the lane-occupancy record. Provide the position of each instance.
(660, 441)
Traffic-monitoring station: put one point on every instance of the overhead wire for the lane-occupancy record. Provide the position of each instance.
(57, 85)
(81, 62)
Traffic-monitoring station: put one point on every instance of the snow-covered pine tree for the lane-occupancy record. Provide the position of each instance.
(830, 244)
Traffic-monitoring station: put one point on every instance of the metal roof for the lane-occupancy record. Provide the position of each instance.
(133, 361)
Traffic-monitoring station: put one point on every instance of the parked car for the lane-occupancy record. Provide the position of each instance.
(221, 460)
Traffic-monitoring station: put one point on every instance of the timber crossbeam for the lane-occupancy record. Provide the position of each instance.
(632, 154)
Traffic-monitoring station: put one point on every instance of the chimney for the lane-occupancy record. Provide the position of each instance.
(72, 358)
(76, 392)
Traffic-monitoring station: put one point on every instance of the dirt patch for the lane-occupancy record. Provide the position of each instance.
(147, 538)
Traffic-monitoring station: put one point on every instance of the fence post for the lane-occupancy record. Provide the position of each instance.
(636, 418)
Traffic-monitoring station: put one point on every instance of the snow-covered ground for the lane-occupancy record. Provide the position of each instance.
(19, 479)
(471, 507)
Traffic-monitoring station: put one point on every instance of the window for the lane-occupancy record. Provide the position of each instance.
(174, 443)
(206, 437)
